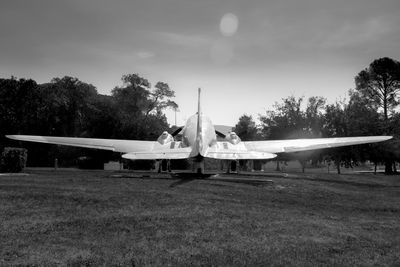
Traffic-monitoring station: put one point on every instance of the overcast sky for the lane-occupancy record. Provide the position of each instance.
(245, 55)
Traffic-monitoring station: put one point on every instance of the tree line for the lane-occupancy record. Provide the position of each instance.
(372, 109)
(135, 110)
(69, 107)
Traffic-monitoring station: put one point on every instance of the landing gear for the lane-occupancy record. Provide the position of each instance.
(198, 165)
(232, 166)
(164, 165)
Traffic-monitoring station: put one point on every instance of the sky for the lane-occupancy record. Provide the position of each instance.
(245, 55)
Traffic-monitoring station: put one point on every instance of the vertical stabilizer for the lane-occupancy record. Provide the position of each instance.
(198, 103)
(199, 162)
(199, 141)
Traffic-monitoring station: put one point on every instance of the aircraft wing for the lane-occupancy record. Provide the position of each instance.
(116, 145)
(267, 149)
(295, 145)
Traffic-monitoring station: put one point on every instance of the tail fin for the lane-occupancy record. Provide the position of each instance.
(199, 143)
(198, 103)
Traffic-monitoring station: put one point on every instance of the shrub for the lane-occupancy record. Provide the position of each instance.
(13, 159)
(139, 164)
(90, 163)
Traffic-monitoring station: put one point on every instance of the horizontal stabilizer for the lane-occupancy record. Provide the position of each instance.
(176, 153)
(230, 154)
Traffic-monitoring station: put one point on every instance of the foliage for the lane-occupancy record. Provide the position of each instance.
(139, 164)
(69, 107)
(314, 116)
(380, 84)
(246, 128)
(89, 163)
(18, 106)
(13, 159)
(139, 110)
(135, 110)
(65, 103)
(286, 120)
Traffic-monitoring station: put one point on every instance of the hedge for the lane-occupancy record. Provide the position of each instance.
(13, 159)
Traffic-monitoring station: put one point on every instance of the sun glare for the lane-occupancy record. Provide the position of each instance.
(229, 24)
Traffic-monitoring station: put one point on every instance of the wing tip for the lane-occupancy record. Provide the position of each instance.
(385, 137)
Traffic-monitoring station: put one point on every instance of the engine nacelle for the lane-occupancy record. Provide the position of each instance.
(233, 138)
(165, 138)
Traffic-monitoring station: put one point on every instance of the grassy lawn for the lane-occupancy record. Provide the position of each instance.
(91, 218)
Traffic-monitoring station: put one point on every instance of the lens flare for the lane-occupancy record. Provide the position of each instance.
(229, 24)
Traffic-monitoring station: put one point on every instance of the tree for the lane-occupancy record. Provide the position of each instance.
(314, 116)
(380, 84)
(140, 109)
(65, 104)
(362, 118)
(286, 120)
(160, 98)
(19, 101)
(246, 128)
(334, 120)
(334, 125)
(101, 121)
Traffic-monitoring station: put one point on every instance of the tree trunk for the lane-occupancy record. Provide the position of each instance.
(388, 167)
(277, 166)
(375, 167)
(338, 167)
(338, 160)
(303, 165)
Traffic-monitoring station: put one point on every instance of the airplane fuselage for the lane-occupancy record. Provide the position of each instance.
(199, 134)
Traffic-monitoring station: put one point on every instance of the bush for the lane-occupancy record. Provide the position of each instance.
(143, 165)
(90, 163)
(13, 159)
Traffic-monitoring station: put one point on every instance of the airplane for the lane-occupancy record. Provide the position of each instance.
(199, 141)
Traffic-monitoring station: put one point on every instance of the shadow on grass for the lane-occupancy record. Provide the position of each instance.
(249, 179)
(346, 182)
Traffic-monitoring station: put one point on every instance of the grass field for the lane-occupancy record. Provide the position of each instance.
(91, 218)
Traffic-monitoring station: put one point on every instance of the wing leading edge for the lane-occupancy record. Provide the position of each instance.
(296, 145)
(267, 149)
(135, 149)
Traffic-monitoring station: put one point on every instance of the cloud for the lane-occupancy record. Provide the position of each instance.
(358, 34)
(186, 40)
(145, 54)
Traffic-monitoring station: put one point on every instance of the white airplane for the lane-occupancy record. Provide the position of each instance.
(199, 141)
